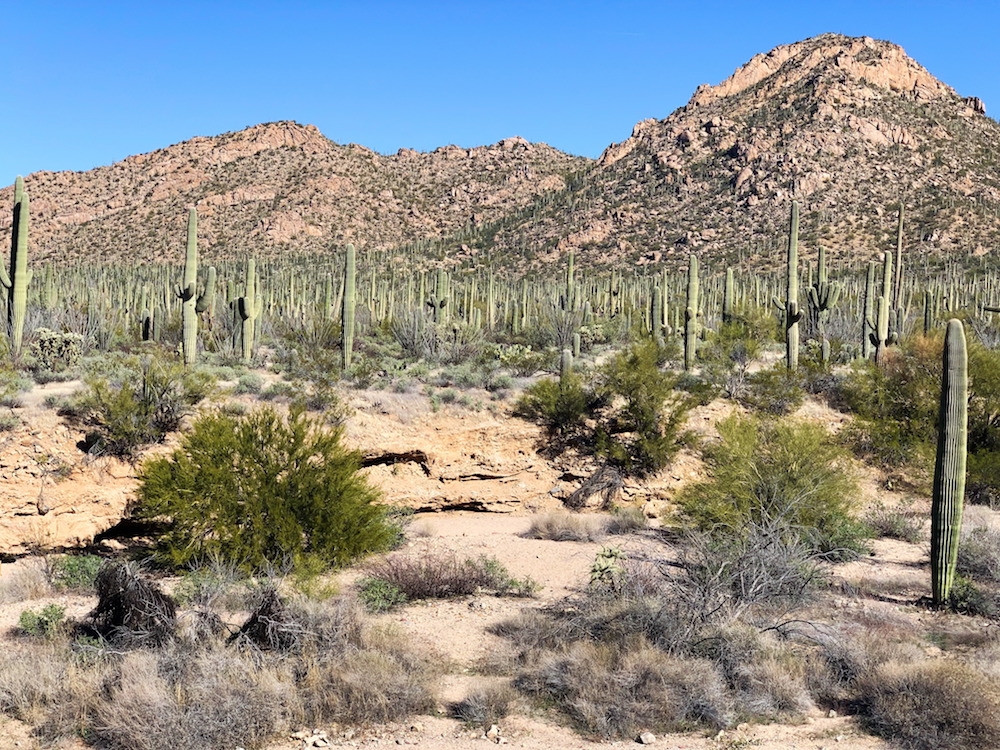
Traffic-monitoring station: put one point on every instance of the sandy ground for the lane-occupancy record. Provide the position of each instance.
(483, 460)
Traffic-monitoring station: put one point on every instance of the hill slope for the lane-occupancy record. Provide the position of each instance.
(849, 126)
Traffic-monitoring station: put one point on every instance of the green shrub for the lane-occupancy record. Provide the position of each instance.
(250, 382)
(259, 489)
(772, 391)
(48, 622)
(445, 576)
(378, 595)
(559, 407)
(766, 471)
(137, 406)
(75, 572)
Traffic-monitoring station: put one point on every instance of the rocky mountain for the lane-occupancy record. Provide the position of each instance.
(849, 126)
(278, 188)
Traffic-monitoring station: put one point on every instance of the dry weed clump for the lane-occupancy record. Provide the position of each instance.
(486, 705)
(445, 576)
(321, 663)
(566, 527)
(26, 580)
(934, 705)
(615, 692)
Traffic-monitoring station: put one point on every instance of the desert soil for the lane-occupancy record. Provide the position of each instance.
(482, 460)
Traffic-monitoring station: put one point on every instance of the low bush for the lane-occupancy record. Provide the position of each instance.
(444, 576)
(626, 519)
(378, 595)
(565, 527)
(979, 553)
(782, 473)
(136, 406)
(774, 391)
(260, 490)
(935, 705)
(895, 523)
(47, 622)
(485, 706)
(74, 572)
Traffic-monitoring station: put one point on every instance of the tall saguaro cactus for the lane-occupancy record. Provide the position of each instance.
(691, 315)
(347, 316)
(192, 302)
(823, 296)
(248, 309)
(16, 282)
(790, 307)
(949, 465)
(882, 336)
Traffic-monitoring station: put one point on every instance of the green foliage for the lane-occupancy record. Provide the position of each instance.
(785, 472)
(775, 391)
(378, 595)
(75, 572)
(47, 623)
(53, 351)
(259, 489)
(631, 414)
(897, 410)
(137, 405)
(639, 413)
(560, 407)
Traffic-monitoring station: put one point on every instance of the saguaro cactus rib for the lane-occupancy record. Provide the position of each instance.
(949, 465)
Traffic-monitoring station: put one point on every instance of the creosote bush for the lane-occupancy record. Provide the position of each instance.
(630, 414)
(785, 473)
(259, 490)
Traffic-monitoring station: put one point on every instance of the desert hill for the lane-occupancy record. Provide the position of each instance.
(849, 126)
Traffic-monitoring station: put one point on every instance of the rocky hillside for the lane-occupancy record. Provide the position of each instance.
(277, 188)
(849, 126)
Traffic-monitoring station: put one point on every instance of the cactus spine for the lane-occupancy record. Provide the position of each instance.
(347, 315)
(691, 315)
(949, 465)
(791, 305)
(16, 282)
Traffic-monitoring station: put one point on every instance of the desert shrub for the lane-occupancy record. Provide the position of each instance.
(934, 705)
(484, 706)
(979, 552)
(250, 382)
(521, 360)
(47, 622)
(260, 489)
(897, 410)
(565, 527)
(9, 421)
(445, 576)
(631, 415)
(785, 472)
(137, 406)
(626, 519)
(895, 523)
(727, 357)
(639, 414)
(560, 407)
(280, 390)
(379, 595)
(130, 611)
(55, 352)
(617, 693)
(773, 391)
(970, 598)
(74, 572)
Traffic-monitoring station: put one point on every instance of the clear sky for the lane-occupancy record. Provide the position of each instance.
(94, 82)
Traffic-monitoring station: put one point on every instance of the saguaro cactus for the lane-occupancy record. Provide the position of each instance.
(691, 315)
(248, 311)
(16, 282)
(347, 315)
(823, 296)
(790, 307)
(949, 466)
(882, 337)
(191, 301)
(438, 303)
(727, 297)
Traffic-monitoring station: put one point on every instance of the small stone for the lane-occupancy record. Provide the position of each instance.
(832, 714)
(646, 738)
(742, 727)
(493, 733)
(418, 727)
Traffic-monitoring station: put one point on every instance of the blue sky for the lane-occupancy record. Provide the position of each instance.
(94, 82)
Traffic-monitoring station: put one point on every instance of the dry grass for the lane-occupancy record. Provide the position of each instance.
(934, 705)
(195, 691)
(445, 576)
(485, 705)
(566, 527)
(26, 579)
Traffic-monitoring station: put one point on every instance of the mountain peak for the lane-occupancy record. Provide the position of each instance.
(839, 62)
